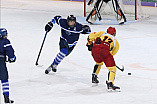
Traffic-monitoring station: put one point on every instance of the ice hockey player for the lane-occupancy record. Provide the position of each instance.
(6, 49)
(98, 10)
(104, 46)
(70, 32)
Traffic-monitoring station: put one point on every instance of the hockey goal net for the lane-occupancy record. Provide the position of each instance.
(132, 9)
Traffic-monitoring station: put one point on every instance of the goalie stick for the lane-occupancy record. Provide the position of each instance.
(41, 49)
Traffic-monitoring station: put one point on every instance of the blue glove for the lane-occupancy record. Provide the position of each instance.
(11, 60)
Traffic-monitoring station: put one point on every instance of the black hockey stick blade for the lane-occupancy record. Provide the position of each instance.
(121, 69)
(38, 65)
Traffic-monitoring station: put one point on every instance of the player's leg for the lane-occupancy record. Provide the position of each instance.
(96, 71)
(65, 50)
(59, 57)
(5, 89)
(110, 64)
(4, 81)
(96, 56)
(117, 11)
(111, 74)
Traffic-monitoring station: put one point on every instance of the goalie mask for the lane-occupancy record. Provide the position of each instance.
(71, 20)
(3, 33)
(112, 31)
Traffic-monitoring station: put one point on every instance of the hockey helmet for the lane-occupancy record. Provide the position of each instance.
(112, 31)
(3, 32)
(71, 18)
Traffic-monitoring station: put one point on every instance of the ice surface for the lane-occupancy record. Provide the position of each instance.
(25, 21)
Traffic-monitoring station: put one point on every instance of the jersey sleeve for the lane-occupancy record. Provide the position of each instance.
(9, 50)
(115, 48)
(92, 37)
(56, 19)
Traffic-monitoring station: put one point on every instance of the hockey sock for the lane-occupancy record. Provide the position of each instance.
(97, 69)
(60, 56)
(5, 87)
(112, 73)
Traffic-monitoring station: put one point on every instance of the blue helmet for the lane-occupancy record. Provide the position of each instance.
(3, 32)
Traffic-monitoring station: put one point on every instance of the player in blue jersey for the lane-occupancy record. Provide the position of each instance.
(6, 49)
(70, 32)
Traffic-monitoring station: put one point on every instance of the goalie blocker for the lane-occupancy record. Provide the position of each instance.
(97, 10)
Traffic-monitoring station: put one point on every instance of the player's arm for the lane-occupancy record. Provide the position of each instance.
(90, 40)
(92, 37)
(9, 51)
(86, 29)
(49, 25)
(115, 49)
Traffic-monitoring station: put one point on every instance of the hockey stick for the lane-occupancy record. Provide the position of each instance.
(41, 49)
(121, 69)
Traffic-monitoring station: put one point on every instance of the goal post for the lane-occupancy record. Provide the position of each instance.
(84, 8)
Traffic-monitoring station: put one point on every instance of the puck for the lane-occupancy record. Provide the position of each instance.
(129, 73)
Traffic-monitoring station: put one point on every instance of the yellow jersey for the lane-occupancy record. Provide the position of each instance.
(114, 44)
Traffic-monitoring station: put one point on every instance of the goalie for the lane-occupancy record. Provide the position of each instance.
(97, 10)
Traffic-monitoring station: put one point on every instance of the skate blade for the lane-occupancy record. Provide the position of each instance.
(112, 90)
(9, 103)
(47, 71)
(94, 84)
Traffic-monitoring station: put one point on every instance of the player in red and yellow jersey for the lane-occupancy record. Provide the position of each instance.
(104, 46)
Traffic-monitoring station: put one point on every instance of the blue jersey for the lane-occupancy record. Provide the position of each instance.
(70, 35)
(6, 49)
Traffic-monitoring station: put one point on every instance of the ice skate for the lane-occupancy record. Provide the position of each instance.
(7, 100)
(48, 70)
(52, 67)
(111, 87)
(94, 80)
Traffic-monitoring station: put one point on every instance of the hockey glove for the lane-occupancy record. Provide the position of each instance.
(86, 29)
(48, 26)
(90, 47)
(11, 60)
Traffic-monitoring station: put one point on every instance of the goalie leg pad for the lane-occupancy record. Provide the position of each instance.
(117, 11)
(91, 18)
(95, 13)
